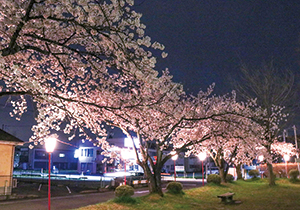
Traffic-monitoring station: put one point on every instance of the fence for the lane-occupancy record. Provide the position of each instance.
(70, 180)
(77, 180)
(279, 169)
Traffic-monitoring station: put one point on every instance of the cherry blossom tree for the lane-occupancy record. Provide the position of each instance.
(161, 125)
(85, 64)
(234, 139)
(270, 121)
(171, 123)
(73, 58)
(239, 137)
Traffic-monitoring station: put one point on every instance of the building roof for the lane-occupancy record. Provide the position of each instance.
(8, 138)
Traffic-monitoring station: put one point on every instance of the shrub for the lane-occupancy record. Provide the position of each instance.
(254, 173)
(294, 174)
(124, 191)
(125, 199)
(229, 178)
(214, 178)
(280, 173)
(175, 188)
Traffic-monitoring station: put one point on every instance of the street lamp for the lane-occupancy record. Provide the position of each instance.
(261, 158)
(202, 157)
(286, 159)
(125, 172)
(49, 145)
(124, 154)
(174, 158)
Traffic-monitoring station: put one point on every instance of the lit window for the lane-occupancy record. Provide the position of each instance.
(87, 152)
(62, 155)
(90, 152)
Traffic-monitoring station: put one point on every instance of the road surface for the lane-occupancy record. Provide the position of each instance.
(75, 201)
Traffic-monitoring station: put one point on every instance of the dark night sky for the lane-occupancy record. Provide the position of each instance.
(208, 39)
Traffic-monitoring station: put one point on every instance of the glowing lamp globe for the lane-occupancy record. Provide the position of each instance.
(174, 157)
(202, 156)
(286, 157)
(50, 144)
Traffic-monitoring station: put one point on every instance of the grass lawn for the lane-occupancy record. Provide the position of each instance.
(255, 195)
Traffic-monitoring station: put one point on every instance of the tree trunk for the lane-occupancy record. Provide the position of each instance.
(271, 174)
(222, 175)
(222, 170)
(239, 171)
(220, 163)
(154, 179)
(154, 185)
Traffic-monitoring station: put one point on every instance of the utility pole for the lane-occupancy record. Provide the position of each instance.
(296, 144)
(284, 135)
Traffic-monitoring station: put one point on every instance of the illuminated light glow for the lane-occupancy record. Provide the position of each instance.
(77, 153)
(61, 155)
(202, 156)
(174, 157)
(286, 157)
(261, 158)
(118, 174)
(128, 154)
(128, 142)
(50, 144)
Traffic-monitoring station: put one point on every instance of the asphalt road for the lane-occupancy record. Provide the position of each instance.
(73, 201)
(64, 202)
(59, 203)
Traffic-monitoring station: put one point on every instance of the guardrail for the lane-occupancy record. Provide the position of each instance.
(79, 180)
(65, 180)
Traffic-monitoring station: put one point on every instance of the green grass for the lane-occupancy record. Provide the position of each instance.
(256, 195)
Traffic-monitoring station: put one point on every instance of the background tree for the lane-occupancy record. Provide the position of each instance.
(274, 90)
(233, 141)
(170, 124)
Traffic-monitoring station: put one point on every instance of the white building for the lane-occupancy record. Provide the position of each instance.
(90, 159)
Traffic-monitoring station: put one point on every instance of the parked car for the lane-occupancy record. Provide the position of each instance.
(212, 171)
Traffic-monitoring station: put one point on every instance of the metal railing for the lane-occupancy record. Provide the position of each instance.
(78, 180)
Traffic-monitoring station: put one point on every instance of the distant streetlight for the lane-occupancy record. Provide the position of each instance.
(286, 159)
(202, 157)
(49, 146)
(174, 158)
(124, 155)
(261, 158)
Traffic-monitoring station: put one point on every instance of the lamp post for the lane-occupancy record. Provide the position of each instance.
(124, 154)
(202, 157)
(49, 145)
(174, 158)
(261, 158)
(286, 159)
(125, 172)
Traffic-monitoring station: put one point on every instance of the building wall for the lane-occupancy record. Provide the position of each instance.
(64, 160)
(6, 163)
(61, 159)
(86, 160)
(89, 159)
